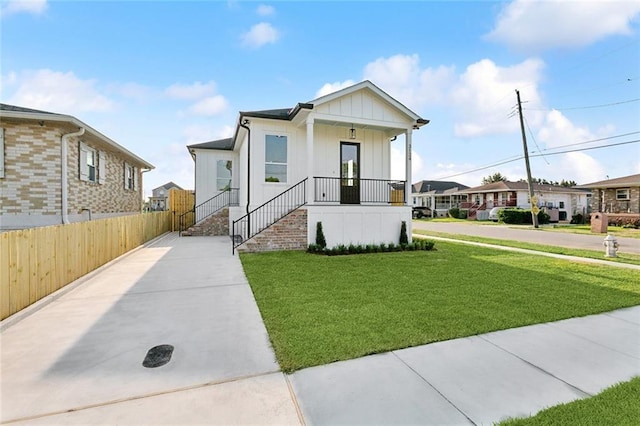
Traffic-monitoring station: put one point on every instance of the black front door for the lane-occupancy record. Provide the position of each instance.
(349, 173)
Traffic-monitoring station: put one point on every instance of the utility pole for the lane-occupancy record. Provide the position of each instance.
(534, 204)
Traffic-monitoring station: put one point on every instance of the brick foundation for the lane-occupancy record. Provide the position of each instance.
(215, 225)
(290, 233)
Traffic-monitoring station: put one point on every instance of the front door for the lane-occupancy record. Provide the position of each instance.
(349, 173)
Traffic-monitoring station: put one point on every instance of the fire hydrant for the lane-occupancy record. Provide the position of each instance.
(610, 246)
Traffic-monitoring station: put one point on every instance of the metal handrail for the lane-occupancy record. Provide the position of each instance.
(228, 197)
(270, 212)
(371, 191)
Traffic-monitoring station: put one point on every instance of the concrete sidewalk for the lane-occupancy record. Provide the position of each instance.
(476, 380)
(78, 359)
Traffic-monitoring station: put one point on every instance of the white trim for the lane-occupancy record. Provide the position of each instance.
(1, 152)
(102, 167)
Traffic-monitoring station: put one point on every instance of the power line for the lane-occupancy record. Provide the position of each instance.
(534, 139)
(538, 155)
(585, 107)
(591, 141)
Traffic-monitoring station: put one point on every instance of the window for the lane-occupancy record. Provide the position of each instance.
(622, 194)
(129, 177)
(275, 166)
(561, 203)
(223, 175)
(92, 164)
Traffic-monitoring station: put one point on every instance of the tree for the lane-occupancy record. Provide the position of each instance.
(496, 177)
(564, 183)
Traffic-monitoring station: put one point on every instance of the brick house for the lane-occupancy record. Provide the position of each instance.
(327, 160)
(56, 169)
(619, 195)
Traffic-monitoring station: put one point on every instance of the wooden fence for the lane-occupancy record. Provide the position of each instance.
(36, 262)
(180, 202)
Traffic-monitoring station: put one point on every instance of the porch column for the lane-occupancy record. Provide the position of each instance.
(407, 155)
(311, 189)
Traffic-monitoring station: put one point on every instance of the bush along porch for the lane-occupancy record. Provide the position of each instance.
(320, 246)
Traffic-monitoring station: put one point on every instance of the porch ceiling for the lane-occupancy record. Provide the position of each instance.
(390, 130)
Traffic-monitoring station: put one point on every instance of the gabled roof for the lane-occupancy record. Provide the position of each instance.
(503, 186)
(168, 185)
(419, 122)
(27, 114)
(290, 113)
(437, 186)
(223, 144)
(625, 181)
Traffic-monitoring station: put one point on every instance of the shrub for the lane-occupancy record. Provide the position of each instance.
(462, 214)
(454, 212)
(320, 240)
(404, 240)
(577, 219)
(342, 249)
(520, 216)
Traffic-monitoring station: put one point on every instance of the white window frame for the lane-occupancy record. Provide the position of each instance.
(99, 166)
(223, 182)
(276, 163)
(625, 194)
(1, 152)
(130, 177)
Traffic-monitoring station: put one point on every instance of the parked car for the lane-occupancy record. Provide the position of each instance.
(493, 214)
(420, 211)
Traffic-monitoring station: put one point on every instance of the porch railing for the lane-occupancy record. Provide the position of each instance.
(261, 218)
(369, 191)
(228, 197)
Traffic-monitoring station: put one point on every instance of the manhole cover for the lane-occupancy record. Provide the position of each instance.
(158, 356)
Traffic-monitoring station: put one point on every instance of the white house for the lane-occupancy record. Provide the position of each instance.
(567, 201)
(327, 160)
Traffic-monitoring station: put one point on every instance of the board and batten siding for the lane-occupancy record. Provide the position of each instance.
(361, 104)
(207, 172)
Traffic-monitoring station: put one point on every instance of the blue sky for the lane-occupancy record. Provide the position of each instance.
(156, 76)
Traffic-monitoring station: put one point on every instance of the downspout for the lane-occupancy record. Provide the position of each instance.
(243, 124)
(64, 180)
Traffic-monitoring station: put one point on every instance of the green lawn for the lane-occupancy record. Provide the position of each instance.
(619, 405)
(633, 259)
(319, 309)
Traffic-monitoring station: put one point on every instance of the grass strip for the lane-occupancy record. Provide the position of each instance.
(617, 405)
(320, 309)
(633, 259)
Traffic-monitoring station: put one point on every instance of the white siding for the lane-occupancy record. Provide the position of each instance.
(362, 104)
(206, 172)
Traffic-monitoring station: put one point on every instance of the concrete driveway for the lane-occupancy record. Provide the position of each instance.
(78, 360)
(537, 236)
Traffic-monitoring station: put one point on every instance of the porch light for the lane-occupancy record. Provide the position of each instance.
(352, 133)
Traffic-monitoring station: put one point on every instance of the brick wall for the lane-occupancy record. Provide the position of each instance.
(32, 170)
(215, 225)
(31, 189)
(612, 205)
(290, 233)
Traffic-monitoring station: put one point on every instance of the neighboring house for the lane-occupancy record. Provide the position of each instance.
(159, 200)
(327, 160)
(619, 195)
(567, 201)
(439, 196)
(56, 169)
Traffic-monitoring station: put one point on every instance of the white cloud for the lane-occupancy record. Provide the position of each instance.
(398, 164)
(265, 10)
(536, 25)
(213, 105)
(191, 91)
(134, 91)
(402, 77)
(557, 131)
(484, 94)
(480, 99)
(259, 35)
(35, 7)
(56, 92)
(333, 87)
